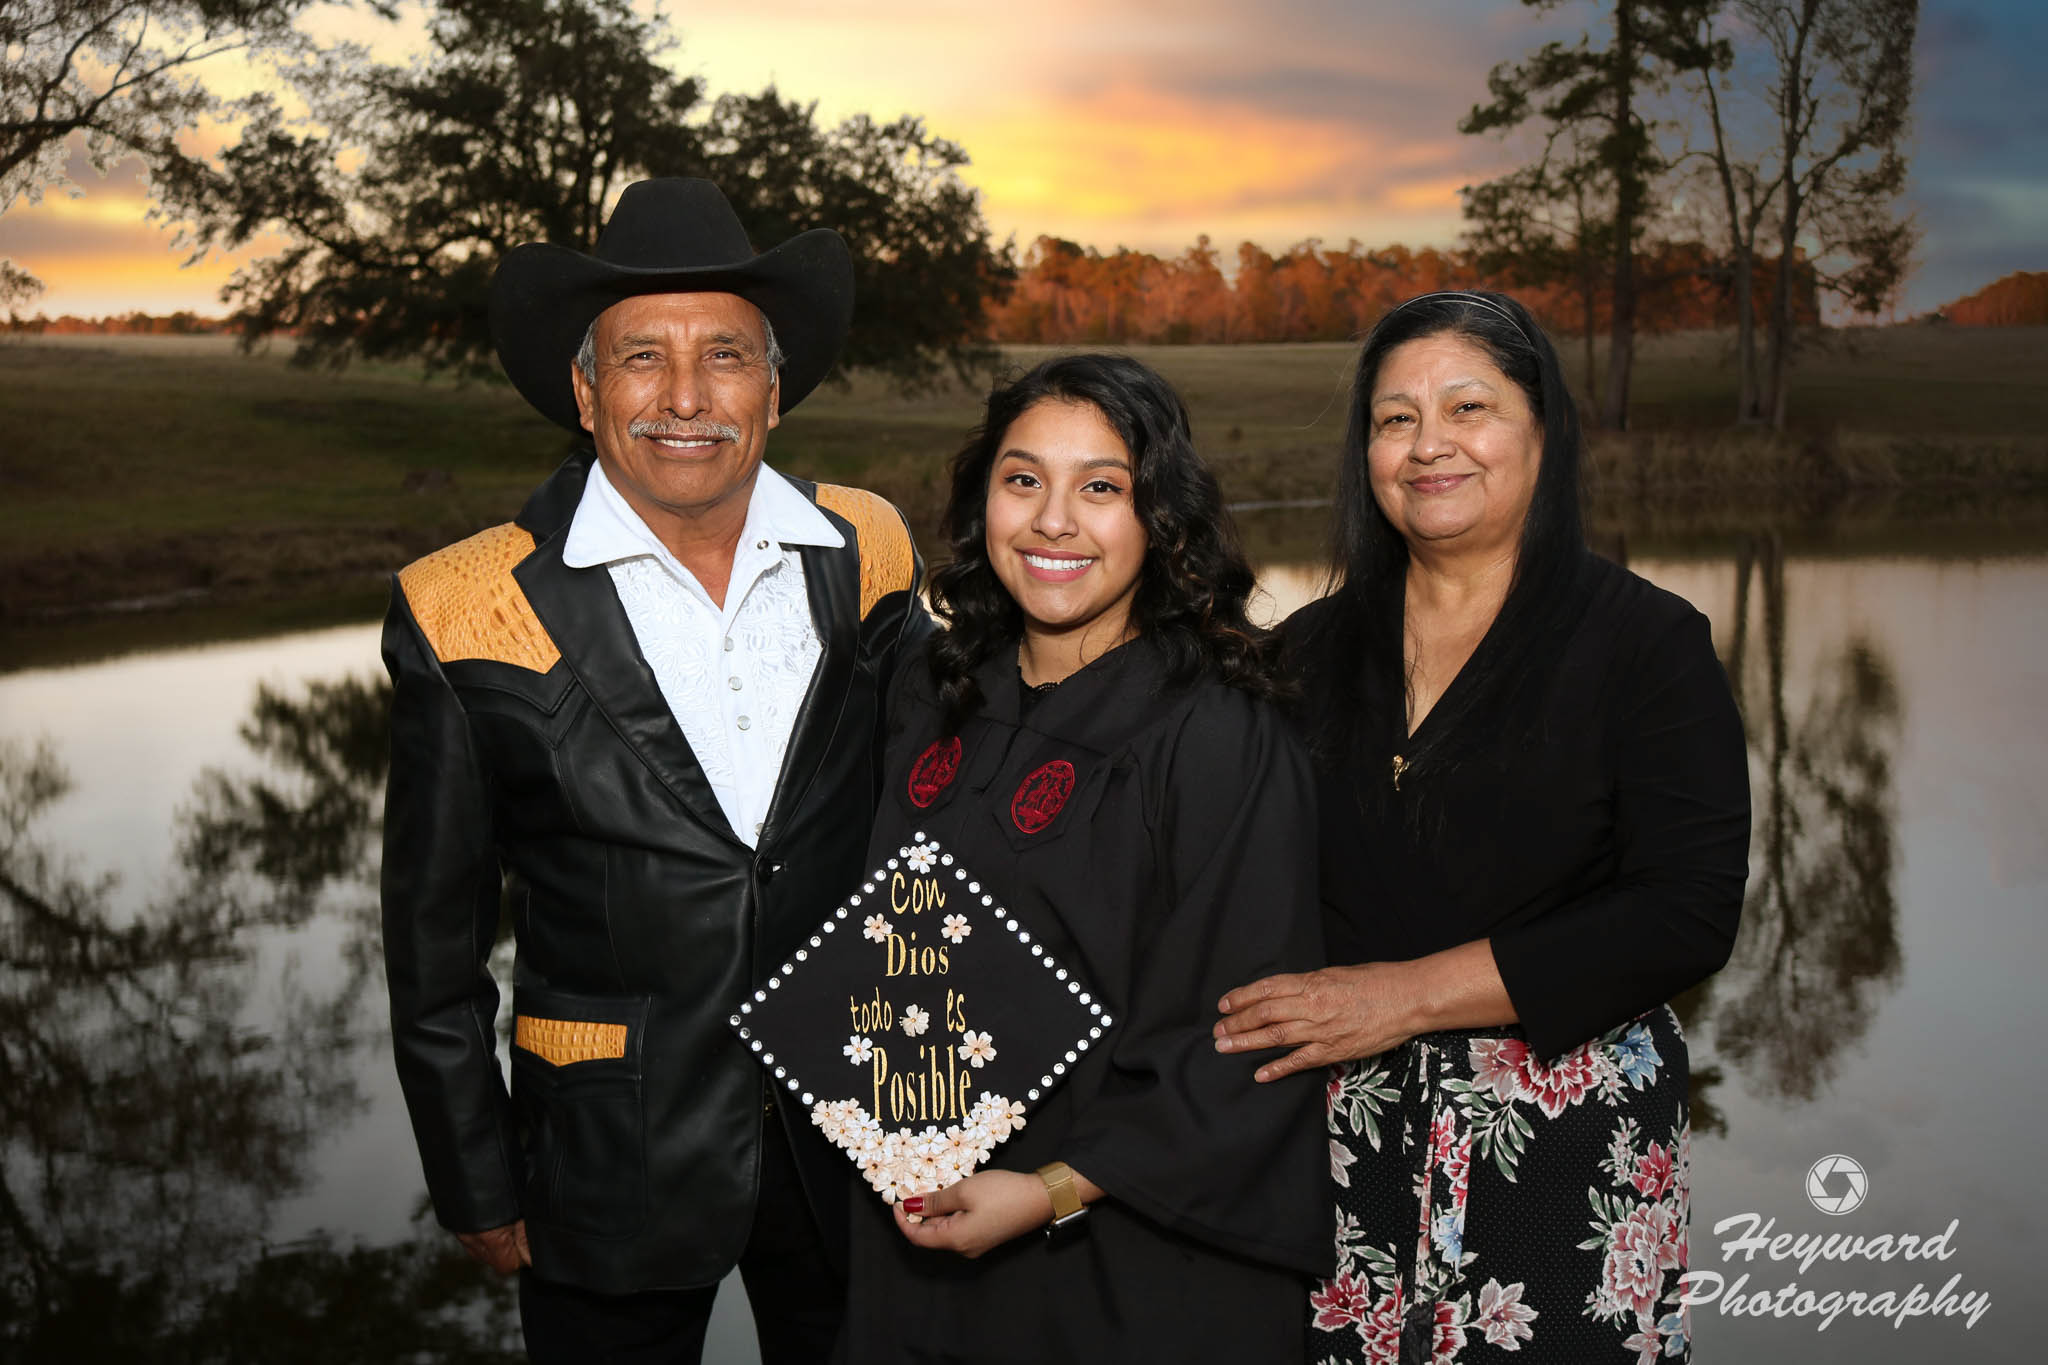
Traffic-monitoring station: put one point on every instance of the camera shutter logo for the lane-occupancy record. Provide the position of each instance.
(1837, 1184)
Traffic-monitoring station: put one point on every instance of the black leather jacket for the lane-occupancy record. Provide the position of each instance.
(534, 762)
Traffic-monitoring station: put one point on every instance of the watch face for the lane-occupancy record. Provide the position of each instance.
(1067, 1225)
(921, 1023)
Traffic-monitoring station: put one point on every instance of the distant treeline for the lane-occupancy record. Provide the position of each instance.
(1066, 293)
(2018, 300)
(127, 324)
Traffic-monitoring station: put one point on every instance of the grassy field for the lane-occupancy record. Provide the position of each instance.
(146, 472)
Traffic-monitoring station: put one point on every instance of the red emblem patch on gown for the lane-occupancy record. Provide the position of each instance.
(934, 771)
(1040, 796)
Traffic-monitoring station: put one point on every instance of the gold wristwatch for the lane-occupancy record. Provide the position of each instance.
(1067, 1209)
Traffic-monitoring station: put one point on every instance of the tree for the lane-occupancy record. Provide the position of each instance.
(1745, 198)
(2017, 300)
(1842, 92)
(925, 272)
(17, 287)
(407, 183)
(1595, 98)
(1546, 224)
(522, 122)
(118, 72)
(1830, 83)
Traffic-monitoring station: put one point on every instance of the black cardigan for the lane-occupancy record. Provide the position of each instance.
(1599, 837)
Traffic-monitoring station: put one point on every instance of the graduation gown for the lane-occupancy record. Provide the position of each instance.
(1177, 862)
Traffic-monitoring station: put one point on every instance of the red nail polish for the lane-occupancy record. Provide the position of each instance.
(914, 1204)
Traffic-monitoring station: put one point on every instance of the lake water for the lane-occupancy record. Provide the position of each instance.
(203, 1141)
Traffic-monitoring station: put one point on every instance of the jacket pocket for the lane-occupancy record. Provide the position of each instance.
(576, 1084)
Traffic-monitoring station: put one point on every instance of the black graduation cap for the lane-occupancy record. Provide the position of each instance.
(922, 1022)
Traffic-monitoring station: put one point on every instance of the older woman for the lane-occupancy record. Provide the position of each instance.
(1535, 822)
(1092, 734)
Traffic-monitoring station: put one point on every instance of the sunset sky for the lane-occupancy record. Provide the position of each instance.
(1143, 123)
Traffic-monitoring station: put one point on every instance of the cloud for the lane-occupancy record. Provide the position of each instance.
(1148, 122)
(1976, 231)
(1145, 122)
(1149, 168)
(98, 252)
(1980, 147)
(1979, 93)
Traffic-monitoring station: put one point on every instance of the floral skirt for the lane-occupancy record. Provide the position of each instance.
(1487, 1203)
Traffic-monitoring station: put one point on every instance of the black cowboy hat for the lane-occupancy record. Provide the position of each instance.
(667, 236)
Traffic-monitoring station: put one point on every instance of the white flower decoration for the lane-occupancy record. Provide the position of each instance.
(997, 1116)
(858, 1049)
(842, 1121)
(957, 927)
(921, 857)
(902, 1162)
(977, 1049)
(915, 1020)
(877, 929)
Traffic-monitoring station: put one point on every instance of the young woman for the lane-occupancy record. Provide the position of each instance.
(1092, 737)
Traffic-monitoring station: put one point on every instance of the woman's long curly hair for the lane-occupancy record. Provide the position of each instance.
(1194, 582)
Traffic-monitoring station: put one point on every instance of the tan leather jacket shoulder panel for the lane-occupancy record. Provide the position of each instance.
(469, 606)
(887, 563)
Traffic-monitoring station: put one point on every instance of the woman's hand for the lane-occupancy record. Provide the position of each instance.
(1339, 1014)
(977, 1215)
(1326, 1016)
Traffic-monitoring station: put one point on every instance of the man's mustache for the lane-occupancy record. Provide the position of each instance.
(676, 431)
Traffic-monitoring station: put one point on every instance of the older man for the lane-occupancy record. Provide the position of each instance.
(640, 721)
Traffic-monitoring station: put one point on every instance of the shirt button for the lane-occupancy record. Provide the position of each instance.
(745, 724)
(733, 683)
(760, 544)
(728, 644)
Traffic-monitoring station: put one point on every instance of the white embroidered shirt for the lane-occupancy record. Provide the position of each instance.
(734, 676)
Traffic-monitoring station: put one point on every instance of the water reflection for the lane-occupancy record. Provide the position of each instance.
(1819, 944)
(167, 1070)
(314, 823)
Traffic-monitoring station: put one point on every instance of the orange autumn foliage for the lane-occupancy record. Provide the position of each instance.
(1067, 294)
(126, 324)
(2018, 300)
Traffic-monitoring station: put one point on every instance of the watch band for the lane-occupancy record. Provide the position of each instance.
(1067, 1207)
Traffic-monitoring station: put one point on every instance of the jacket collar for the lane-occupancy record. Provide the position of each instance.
(581, 610)
(605, 528)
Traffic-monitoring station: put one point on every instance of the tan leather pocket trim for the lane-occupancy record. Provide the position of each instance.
(563, 1042)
